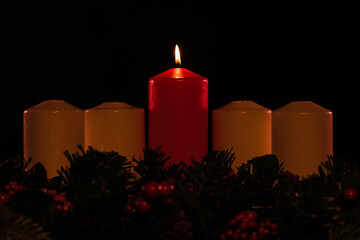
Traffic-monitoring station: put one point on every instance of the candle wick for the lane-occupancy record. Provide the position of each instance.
(178, 65)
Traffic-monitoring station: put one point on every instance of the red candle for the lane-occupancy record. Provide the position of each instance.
(178, 114)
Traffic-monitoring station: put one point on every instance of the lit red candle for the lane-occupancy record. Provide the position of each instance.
(178, 113)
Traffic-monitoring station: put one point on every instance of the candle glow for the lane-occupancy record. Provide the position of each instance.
(177, 55)
(302, 136)
(178, 113)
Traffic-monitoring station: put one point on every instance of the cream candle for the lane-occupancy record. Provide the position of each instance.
(50, 128)
(302, 136)
(116, 126)
(244, 126)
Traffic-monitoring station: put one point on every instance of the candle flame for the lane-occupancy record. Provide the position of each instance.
(177, 55)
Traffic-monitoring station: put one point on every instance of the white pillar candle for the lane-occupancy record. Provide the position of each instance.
(50, 128)
(302, 136)
(244, 126)
(116, 126)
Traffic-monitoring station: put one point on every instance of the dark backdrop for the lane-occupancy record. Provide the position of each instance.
(89, 52)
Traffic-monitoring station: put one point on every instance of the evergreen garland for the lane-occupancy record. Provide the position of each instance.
(99, 195)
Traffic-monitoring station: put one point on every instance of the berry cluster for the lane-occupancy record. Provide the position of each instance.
(246, 227)
(62, 204)
(10, 188)
(152, 191)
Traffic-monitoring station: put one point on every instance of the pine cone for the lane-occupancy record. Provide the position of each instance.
(177, 226)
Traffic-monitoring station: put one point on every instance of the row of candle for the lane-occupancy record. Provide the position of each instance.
(55, 126)
(300, 133)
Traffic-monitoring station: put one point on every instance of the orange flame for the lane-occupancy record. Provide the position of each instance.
(177, 55)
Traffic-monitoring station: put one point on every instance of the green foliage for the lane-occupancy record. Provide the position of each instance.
(156, 167)
(206, 186)
(99, 184)
(211, 175)
(307, 210)
(259, 173)
(13, 170)
(207, 195)
(14, 226)
(96, 172)
(349, 231)
(344, 173)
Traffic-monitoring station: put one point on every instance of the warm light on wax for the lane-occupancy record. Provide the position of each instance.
(244, 126)
(302, 136)
(116, 126)
(50, 128)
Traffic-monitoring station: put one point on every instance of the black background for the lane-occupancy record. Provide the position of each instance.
(89, 52)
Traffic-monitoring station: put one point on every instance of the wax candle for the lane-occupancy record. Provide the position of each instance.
(302, 136)
(244, 126)
(116, 126)
(178, 114)
(50, 128)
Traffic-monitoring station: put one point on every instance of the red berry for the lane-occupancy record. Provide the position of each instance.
(51, 192)
(59, 198)
(7, 187)
(150, 190)
(240, 217)
(254, 236)
(68, 204)
(233, 222)
(142, 205)
(66, 208)
(261, 233)
(13, 183)
(243, 236)
(229, 233)
(165, 189)
(274, 226)
(59, 207)
(251, 215)
(243, 226)
(129, 208)
(267, 223)
(4, 198)
(351, 194)
(252, 224)
(236, 236)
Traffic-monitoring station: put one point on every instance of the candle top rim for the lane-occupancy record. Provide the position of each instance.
(113, 105)
(301, 107)
(54, 105)
(178, 73)
(243, 105)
